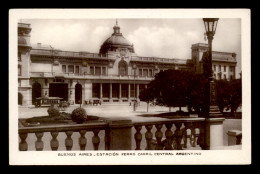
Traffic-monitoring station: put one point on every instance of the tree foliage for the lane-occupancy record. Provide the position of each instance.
(229, 94)
(175, 88)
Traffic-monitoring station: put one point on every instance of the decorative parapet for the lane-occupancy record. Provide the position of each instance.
(180, 134)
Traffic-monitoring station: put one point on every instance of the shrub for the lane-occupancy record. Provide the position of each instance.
(79, 115)
(53, 111)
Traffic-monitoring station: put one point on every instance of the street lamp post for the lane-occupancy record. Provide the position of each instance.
(213, 125)
(212, 109)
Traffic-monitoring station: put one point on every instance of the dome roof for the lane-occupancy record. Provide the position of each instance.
(116, 40)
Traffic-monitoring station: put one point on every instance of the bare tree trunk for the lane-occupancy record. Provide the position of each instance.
(179, 108)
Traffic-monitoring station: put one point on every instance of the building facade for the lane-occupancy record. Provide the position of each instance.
(223, 63)
(114, 75)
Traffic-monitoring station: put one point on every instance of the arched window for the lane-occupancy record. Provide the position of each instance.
(20, 99)
(122, 68)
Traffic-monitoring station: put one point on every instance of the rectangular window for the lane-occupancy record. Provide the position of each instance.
(231, 69)
(97, 70)
(77, 70)
(115, 90)
(140, 72)
(219, 68)
(19, 56)
(95, 90)
(71, 68)
(225, 77)
(19, 70)
(105, 90)
(104, 72)
(224, 68)
(124, 90)
(64, 68)
(214, 67)
(150, 73)
(92, 70)
(145, 72)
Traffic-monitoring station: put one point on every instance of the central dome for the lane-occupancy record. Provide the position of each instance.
(116, 41)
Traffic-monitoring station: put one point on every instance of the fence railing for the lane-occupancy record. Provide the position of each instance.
(54, 132)
(125, 134)
(89, 76)
(178, 134)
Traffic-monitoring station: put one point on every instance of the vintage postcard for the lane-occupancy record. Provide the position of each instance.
(129, 86)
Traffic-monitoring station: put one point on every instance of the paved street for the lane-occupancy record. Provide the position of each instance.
(111, 111)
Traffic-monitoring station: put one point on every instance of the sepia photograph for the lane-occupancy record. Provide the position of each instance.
(150, 86)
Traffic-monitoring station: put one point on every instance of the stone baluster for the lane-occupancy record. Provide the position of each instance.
(23, 146)
(197, 132)
(138, 137)
(158, 136)
(39, 143)
(201, 139)
(107, 139)
(192, 137)
(148, 137)
(169, 137)
(68, 140)
(95, 139)
(82, 140)
(54, 141)
(187, 135)
(178, 136)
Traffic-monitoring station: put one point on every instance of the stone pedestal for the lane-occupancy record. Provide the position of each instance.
(119, 133)
(214, 133)
(234, 137)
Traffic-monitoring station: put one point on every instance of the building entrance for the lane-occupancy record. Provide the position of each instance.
(36, 91)
(59, 90)
(78, 94)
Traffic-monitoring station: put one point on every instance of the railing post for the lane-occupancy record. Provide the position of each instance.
(214, 133)
(120, 133)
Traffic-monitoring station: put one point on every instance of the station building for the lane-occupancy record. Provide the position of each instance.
(114, 75)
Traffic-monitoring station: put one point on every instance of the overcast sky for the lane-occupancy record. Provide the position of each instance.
(166, 38)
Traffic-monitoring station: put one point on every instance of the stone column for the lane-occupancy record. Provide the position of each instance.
(120, 92)
(214, 133)
(119, 134)
(137, 91)
(110, 92)
(101, 91)
(129, 92)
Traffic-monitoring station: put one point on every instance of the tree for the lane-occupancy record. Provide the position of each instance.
(176, 88)
(147, 96)
(222, 87)
(229, 95)
(235, 97)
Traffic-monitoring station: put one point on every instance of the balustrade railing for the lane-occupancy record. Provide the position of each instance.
(172, 134)
(54, 131)
(124, 134)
